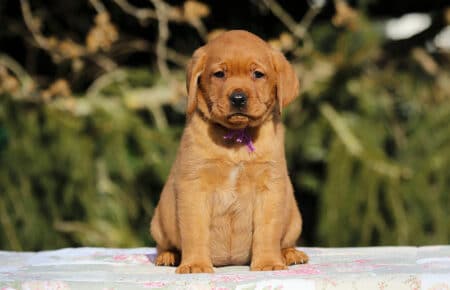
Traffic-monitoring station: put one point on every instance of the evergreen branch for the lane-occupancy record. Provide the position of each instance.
(342, 130)
(355, 148)
(9, 228)
(394, 201)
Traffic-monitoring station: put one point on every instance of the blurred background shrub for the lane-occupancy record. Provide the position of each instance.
(92, 100)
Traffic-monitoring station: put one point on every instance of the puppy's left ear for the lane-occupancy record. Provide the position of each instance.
(194, 71)
(287, 81)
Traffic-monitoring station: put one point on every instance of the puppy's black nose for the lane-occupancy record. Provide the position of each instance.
(238, 99)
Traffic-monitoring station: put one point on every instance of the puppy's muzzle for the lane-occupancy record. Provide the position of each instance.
(238, 99)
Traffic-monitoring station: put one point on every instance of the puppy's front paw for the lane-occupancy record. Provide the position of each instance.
(267, 266)
(194, 268)
(168, 258)
(292, 256)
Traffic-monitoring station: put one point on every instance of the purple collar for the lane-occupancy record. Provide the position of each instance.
(240, 136)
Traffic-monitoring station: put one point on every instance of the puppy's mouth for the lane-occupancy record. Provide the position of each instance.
(238, 119)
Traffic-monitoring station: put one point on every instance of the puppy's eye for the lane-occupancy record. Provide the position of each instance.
(219, 74)
(257, 74)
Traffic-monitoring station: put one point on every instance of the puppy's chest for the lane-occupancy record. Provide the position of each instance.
(231, 220)
(233, 191)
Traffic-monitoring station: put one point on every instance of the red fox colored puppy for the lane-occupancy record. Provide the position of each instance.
(228, 199)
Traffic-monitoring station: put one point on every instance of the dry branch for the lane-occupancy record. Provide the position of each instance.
(163, 35)
(299, 29)
(98, 6)
(142, 14)
(67, 49)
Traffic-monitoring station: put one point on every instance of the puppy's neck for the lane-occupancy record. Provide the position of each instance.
(241, 136)
(250, 139)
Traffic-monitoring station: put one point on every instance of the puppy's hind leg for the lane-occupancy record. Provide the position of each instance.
(167, 254)
(292, 256)
(168, 258)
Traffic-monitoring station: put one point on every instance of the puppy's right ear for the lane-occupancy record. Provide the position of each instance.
(194, 71)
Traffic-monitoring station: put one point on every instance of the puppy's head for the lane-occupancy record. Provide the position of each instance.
(238, 80)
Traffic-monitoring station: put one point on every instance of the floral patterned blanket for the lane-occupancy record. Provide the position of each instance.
(378, 268)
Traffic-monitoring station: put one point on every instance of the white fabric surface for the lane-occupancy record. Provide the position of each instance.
(380, 268)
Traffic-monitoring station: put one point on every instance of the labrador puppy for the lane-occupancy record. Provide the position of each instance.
(228, 199)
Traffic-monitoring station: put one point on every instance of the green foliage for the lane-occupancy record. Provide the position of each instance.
(368, 146)
(68, 180)
(384, 144)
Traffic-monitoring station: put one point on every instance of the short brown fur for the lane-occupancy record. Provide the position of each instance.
(221, 204)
